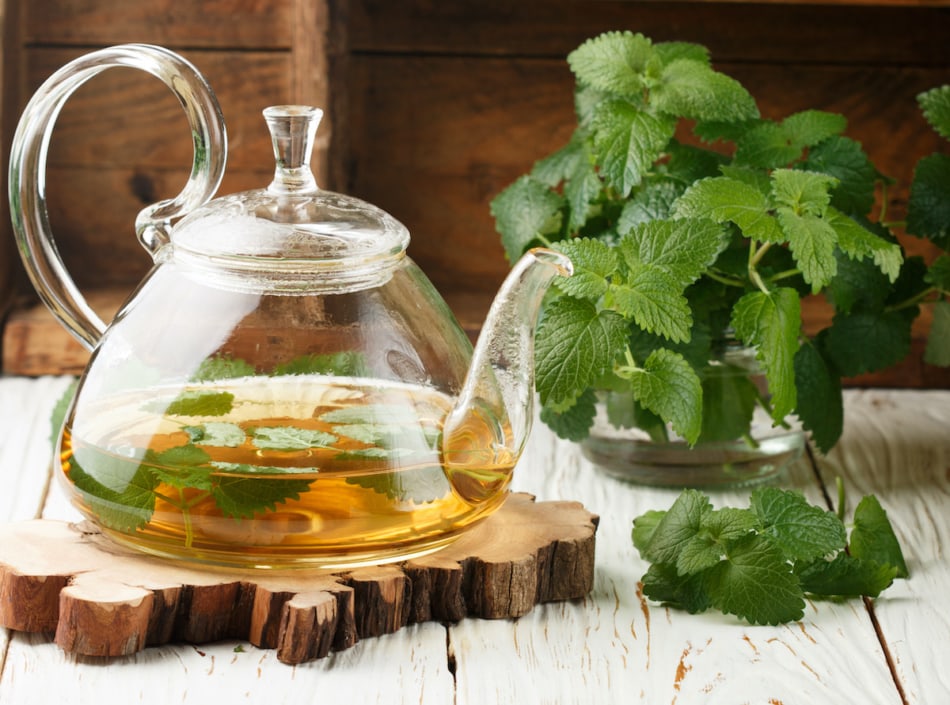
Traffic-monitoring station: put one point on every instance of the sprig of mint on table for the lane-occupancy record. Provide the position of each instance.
(677, 247)
(760, 563)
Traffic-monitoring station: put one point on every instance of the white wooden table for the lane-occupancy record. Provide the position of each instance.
(612, 647)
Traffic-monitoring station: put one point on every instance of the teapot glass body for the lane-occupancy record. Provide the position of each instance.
(286, 387)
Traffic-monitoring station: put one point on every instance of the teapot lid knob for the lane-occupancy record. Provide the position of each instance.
(292, 129)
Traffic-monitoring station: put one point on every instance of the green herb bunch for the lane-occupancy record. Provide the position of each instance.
(760, 562)
(679, 248)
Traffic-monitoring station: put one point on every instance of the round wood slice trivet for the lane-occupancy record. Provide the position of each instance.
(102, 600)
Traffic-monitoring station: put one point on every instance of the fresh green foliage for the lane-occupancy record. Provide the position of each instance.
(760, 562)
(679, 248)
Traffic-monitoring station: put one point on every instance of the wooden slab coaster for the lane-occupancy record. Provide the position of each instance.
(102, 600)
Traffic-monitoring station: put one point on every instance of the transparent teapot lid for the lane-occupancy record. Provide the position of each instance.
(292, 231)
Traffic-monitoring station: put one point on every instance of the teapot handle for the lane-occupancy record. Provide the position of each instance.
(27, 182)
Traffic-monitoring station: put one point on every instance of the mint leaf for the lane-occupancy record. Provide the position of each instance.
(668, 386)
(867, 341)
(573, 424)
(820, 405)
(846, 576)
(812, 242)
(289, 438)
(928, 208)
(613, 62)
(673, 51)
(627, 141)
(683, 248)
(224, 367)
(802, 192)
(343, 364)
(758, 563)
(217, 433)
(756, 583)
(857, 241)
(111, 471)
(575, 344)
(938, 274)
(573, 166)
(201, 403)
(846, 161)
(938, 341)
(522, 212)
(772, 145)
(765, 146)
(858, 285)
(653, 299)
(182, 466)
(693, 90)
(594, 263)
(771, 323)
(729, 523)
(802, 531)
(419, 485)
(662, 583)
(702, 551)
(719, 529)
(244, 497)
(935, 104)
(725, 199)
(561, 164)
(652, 201)
(643, 528)
(678, 525)
(873, 537)
(125, 510)
(811, 127)
(60, 409)
(729, 400)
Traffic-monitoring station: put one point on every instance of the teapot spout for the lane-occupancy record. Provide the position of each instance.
(490, 422)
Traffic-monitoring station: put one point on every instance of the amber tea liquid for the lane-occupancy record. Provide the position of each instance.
(272, 472)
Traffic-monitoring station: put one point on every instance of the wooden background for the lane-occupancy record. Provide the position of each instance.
(434, 107)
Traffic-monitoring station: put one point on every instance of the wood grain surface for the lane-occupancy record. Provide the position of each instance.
(102, 600)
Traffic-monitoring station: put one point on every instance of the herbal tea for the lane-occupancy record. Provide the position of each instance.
(308, 469)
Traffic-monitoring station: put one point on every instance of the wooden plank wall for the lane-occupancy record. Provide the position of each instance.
(434, 107)
(122, 141)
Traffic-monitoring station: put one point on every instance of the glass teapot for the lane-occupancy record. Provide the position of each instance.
(286, 387)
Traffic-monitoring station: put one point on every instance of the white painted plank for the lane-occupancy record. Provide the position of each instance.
(610, 647)
(412, 669)
(25, 449)
(897, 447)
(615, 647)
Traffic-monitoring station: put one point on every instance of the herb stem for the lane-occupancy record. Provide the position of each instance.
(912, 301)
(840, 508)
(755, 256)
(757, 280)
(543, 239)
(785, 275)
(759, 254)
(725, 279)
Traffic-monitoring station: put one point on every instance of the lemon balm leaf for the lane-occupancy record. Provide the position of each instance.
(668, 386)
(613, 62)
(771, 323)
(575, 345)
(756, 582)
